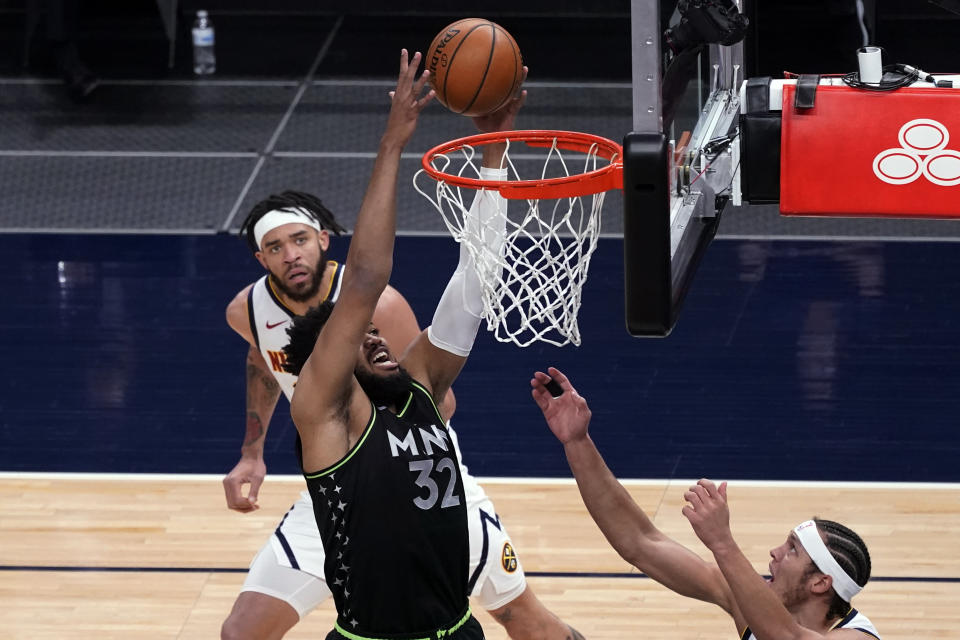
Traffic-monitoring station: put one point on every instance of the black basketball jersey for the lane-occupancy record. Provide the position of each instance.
(393, 520)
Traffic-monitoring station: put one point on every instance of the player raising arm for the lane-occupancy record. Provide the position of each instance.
(378, 457)
(814, 573)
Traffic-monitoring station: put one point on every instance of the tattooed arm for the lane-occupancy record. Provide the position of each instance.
(262, 394)
(526, 617)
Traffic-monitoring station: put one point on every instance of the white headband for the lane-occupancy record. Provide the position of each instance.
(278, 217)
(810, 538)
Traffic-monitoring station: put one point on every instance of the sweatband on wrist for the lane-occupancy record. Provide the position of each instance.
(488, 173)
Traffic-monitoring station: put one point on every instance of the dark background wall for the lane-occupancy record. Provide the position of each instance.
(792, 360)
(821, 36)
(255, 37)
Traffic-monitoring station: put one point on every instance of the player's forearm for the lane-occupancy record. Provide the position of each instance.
(762, 609)
(622, 522)
(371, 249)
(493, 155)
(633, 535)
(262, 394)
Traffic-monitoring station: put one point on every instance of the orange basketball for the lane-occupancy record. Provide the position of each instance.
(475, 66)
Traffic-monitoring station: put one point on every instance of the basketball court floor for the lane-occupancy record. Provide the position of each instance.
(813, 364)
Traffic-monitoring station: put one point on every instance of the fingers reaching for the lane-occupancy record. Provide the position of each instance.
(706, 510)
(421, 81)
(521, 93)
(551, 383)
(561, 379)
(541, 394)
(408, 65)
(566, 413)
(407, 100)
(693, 498)
(708, 486)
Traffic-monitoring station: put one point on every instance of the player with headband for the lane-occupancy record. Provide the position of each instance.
(290, 234)
(815, 573)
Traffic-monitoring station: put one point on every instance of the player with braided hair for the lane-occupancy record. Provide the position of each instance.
(289, 235)
(306, 204)
(814, 574)
(850, 552)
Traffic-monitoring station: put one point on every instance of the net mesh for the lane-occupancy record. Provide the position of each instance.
(531, 282)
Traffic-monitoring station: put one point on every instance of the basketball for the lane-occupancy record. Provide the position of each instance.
(475, 66)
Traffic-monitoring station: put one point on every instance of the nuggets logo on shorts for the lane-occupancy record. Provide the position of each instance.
(508, 558)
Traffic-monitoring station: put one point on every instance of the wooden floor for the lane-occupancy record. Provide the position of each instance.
(182, 555)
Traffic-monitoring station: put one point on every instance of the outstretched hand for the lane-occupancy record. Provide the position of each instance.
(502, 119)
(567, 415)
(408, 100)
(708, 513)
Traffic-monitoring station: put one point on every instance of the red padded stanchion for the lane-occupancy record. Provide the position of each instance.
(870, 153)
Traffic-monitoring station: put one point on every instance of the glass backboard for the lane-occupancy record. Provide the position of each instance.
(679, 160)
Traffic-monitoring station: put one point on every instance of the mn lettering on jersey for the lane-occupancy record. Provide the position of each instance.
(431, 457)
(428, 438)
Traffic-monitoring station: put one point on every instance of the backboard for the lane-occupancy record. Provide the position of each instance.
(679, 163)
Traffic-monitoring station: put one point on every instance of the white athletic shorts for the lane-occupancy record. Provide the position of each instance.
(290, 565)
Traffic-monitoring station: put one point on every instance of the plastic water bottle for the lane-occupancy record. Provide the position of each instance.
(204, 59)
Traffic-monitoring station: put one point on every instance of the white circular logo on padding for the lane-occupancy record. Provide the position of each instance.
(922, 152)
(943, 168)
(897, 166)
(923, 135)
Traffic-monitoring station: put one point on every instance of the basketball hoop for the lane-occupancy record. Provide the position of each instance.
(531, 286)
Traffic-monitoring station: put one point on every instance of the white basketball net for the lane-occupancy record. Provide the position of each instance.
(531, 286)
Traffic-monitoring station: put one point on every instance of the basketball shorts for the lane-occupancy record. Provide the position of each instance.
(290, 565)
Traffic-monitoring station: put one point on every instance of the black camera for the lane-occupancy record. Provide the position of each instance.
(705, 22)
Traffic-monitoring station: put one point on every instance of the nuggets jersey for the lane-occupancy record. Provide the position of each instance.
(393, 520)
(269, 319)
(853, 620)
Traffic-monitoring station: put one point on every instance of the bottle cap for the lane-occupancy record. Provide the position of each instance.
(202, 13)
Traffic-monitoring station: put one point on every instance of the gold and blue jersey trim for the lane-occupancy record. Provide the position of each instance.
(277, 300)
(851, 614)
(251, 315)
(839, 624)
(337, 274)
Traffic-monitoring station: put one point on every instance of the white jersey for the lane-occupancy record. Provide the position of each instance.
(269, 320)
(853, 620)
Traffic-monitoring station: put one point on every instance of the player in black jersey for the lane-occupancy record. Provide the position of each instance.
(378, 459)
(289, 234)
(814, 574)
